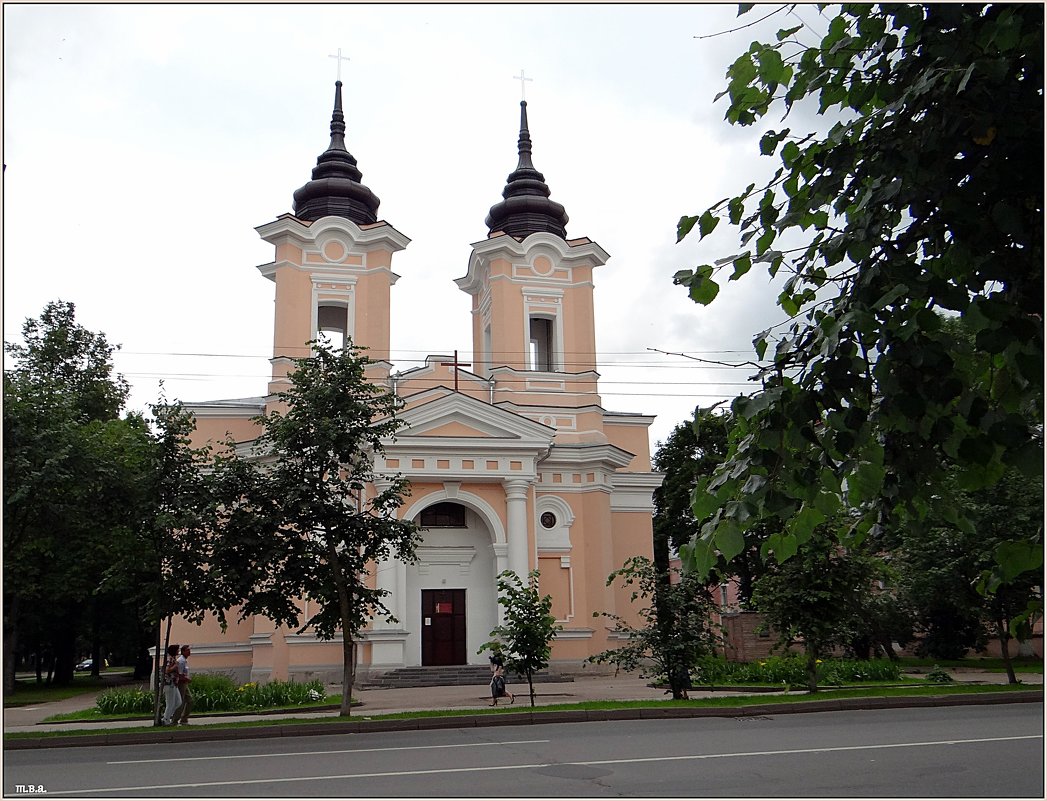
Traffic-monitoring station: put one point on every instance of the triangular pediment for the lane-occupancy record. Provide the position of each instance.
(442, 413)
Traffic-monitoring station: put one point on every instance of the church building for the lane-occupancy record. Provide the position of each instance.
(514, 463)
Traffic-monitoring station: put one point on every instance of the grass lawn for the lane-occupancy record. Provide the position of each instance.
(739, 702)
(990, 664)
(27, 691)
(94, 716)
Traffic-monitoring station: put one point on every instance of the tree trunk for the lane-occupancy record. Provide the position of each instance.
(530, 685)
(1004, 636)
(96, 647)
(10, 643)
(158, 687)
(812, 669)
(348, 650)
(348, 673)
(65, 656)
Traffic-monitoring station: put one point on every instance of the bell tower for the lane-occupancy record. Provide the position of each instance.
(333, 263)
(532, 295)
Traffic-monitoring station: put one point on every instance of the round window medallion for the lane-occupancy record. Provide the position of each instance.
(334, 251)
(548, 519)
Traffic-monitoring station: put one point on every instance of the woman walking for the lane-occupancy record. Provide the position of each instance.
(498, 689)
(172, 697)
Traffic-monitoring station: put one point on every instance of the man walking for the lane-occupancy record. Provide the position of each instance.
(183, 679)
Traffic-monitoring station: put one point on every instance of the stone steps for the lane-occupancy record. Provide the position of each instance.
(448, 675)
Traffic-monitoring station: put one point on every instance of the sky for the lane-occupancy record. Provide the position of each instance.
(144, 143)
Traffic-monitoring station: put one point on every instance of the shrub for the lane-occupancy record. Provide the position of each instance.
(791, 670)
(125, 700)
(213, 692)
(278, 693)
(939, 676)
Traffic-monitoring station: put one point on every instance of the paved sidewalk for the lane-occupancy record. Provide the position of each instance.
(378, 702)
(464, 698)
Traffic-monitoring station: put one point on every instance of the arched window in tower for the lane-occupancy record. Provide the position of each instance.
(541, 346)
(332, 323)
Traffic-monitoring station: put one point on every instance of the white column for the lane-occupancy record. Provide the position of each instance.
(516, 534)
(388, 579)
(387, 640)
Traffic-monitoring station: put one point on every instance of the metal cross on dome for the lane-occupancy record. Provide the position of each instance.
(340, 58)
(521, 78)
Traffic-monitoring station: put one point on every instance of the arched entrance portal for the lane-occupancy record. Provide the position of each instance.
(451, 601)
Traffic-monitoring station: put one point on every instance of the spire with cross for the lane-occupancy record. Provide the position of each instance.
(521, 78)
(340, 58)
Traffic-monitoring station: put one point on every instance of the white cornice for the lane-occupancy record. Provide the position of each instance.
(573, 634)
(629, 419)
(534, 408)
(578, 457)
(508, 247)
(289, 228)
(244, 408)
(634, 492)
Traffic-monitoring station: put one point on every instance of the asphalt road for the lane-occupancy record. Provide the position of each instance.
(947, 752)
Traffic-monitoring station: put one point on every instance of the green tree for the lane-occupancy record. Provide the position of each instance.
(925, 195)
(65, 482)
(942, 568)
(693, 451)
(525, 638)
(300, 521)
(169, 565)
(819, 596)
(676, 632)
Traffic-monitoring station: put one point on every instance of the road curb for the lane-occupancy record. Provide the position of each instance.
(521, 718)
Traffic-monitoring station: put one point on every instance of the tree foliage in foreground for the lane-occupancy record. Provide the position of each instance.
(926, 197)
(300, 521)
(693, 451)
(525, 637)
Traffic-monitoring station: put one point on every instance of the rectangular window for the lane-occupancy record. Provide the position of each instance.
(332, 325)
(542, 344)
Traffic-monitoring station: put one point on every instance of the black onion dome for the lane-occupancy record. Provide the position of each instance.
(336, 189)
(526, 208)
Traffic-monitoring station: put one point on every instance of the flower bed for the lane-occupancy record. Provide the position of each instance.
(216, 693)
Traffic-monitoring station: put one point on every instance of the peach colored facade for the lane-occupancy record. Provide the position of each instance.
(547, 477)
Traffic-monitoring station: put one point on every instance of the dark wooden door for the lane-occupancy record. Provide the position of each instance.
(443, 627)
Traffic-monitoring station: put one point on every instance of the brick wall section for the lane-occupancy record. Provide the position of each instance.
(741, 641)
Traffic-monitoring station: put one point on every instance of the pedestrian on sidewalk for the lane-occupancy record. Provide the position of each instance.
(498, 689)
(183, 679)
(172, 696)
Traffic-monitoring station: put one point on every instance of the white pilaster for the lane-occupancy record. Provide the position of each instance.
(516, 505)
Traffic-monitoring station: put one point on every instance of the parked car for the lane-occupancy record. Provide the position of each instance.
(85, 665)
